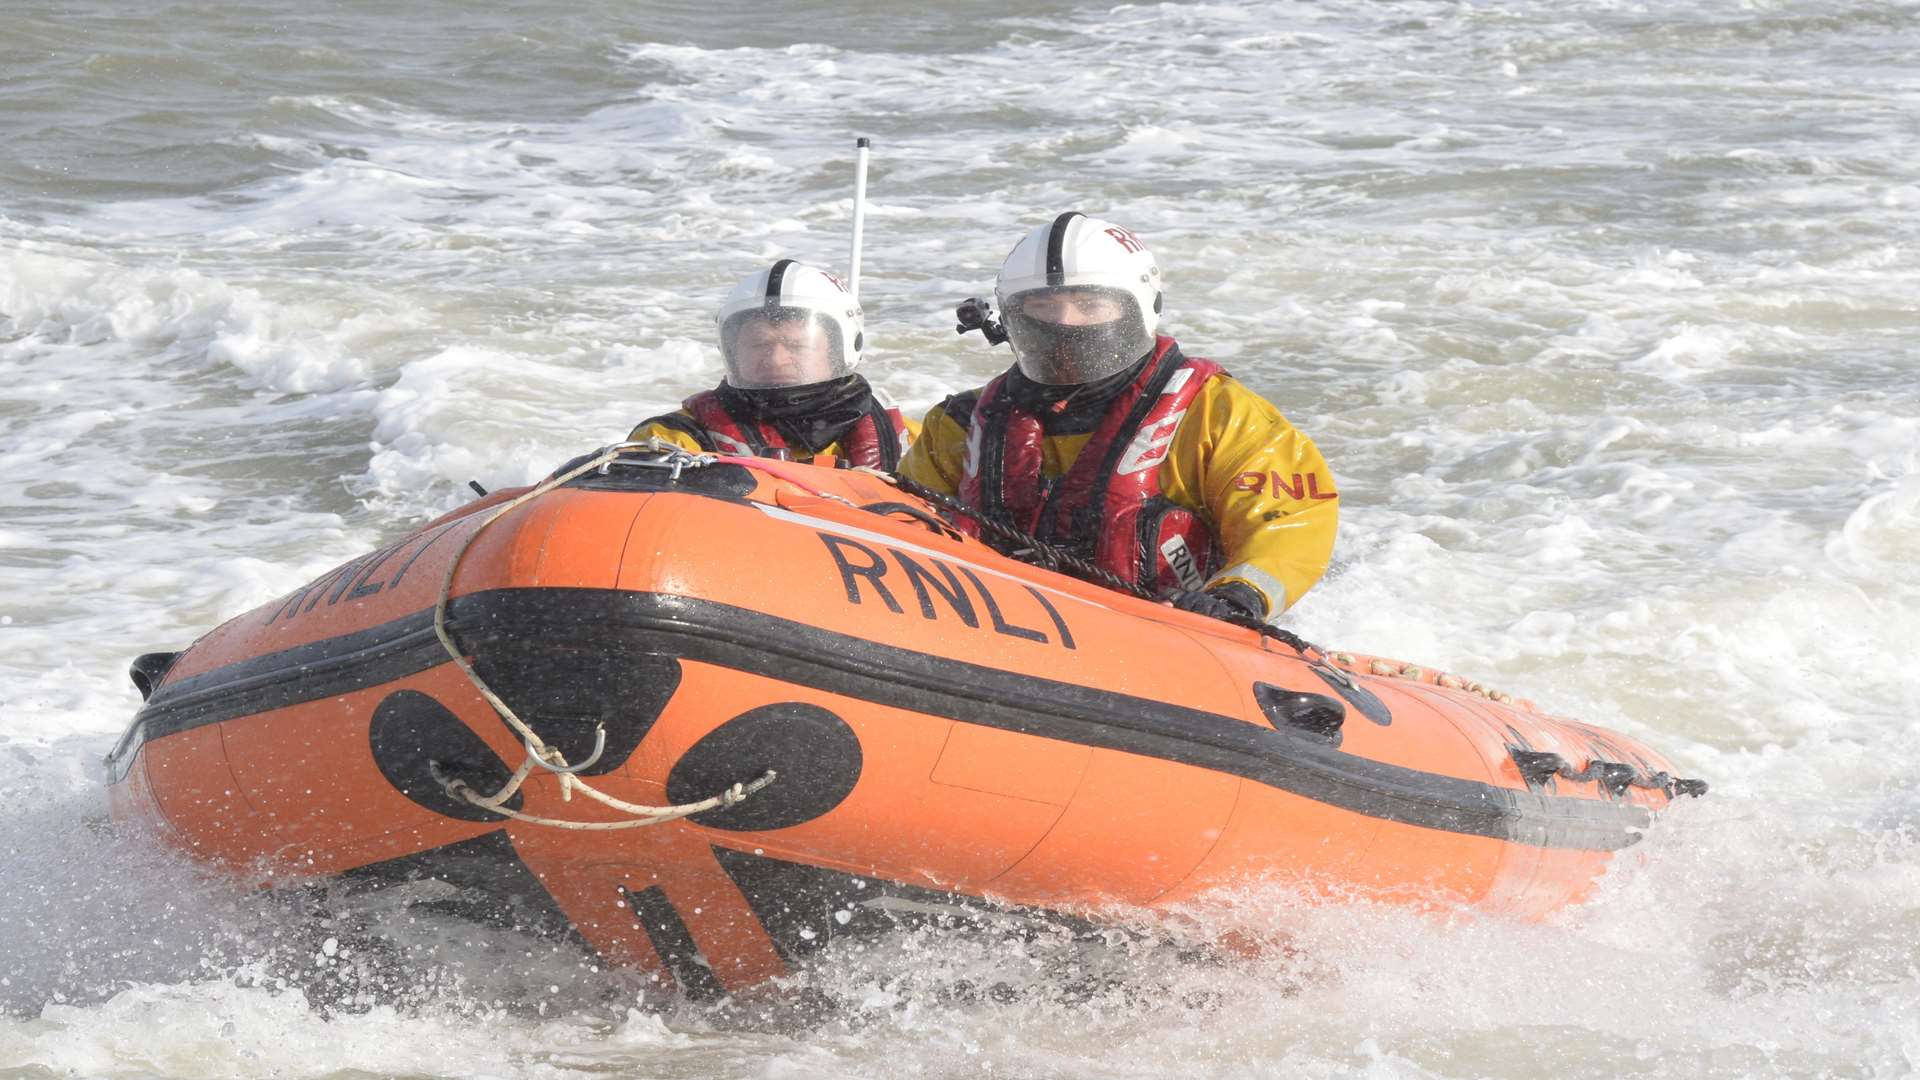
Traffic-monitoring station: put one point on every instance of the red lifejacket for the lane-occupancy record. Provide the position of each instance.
(1108, 506)
(876, 440)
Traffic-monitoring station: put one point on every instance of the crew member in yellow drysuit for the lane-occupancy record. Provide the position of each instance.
(790, 336)
(1104, 438)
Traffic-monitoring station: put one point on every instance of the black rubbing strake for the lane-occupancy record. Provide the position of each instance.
(741, 639)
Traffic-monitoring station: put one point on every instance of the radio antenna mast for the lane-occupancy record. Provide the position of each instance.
(861, 146)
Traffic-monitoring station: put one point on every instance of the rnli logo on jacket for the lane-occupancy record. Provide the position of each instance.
(1149, 447)
(1301, 487)
(1180, 560)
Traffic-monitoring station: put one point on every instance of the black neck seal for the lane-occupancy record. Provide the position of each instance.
(1076, 408)
(814, 416)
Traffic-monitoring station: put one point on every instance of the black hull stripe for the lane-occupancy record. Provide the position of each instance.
(326, 668)
(745, 640)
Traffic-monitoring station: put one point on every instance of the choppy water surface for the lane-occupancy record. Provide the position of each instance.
(1605, 314)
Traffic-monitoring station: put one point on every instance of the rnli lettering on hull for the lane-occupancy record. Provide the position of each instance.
(891, 572)
(864, 572)
(357, 575)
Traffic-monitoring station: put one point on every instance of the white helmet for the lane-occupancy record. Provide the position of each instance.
(789, 325)
(1080, 299)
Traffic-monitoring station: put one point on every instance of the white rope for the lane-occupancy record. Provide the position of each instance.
(645, 815)
(505, 793)
(539, 751)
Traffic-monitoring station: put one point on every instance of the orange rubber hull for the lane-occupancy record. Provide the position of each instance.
(943, 722)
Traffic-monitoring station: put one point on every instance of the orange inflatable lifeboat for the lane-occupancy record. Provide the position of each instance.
(710, 713)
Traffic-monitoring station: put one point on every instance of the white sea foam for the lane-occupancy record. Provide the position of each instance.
(59, 300)
(1610, 349)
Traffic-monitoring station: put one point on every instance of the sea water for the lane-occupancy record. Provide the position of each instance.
(1604, 313)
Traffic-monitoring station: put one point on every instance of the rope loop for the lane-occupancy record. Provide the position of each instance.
(653, 453)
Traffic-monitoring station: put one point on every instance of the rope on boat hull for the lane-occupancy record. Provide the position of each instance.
(540, 753)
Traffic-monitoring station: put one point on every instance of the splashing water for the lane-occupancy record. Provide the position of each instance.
(1603, 315)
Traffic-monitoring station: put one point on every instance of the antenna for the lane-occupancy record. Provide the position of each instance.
(861, 146)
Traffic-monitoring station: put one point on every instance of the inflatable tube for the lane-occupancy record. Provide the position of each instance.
(940, 722)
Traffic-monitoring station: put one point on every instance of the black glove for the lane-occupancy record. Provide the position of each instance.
(1230, 602)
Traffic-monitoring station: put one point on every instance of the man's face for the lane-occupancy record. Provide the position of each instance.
(789, 352)
(1073, 307)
